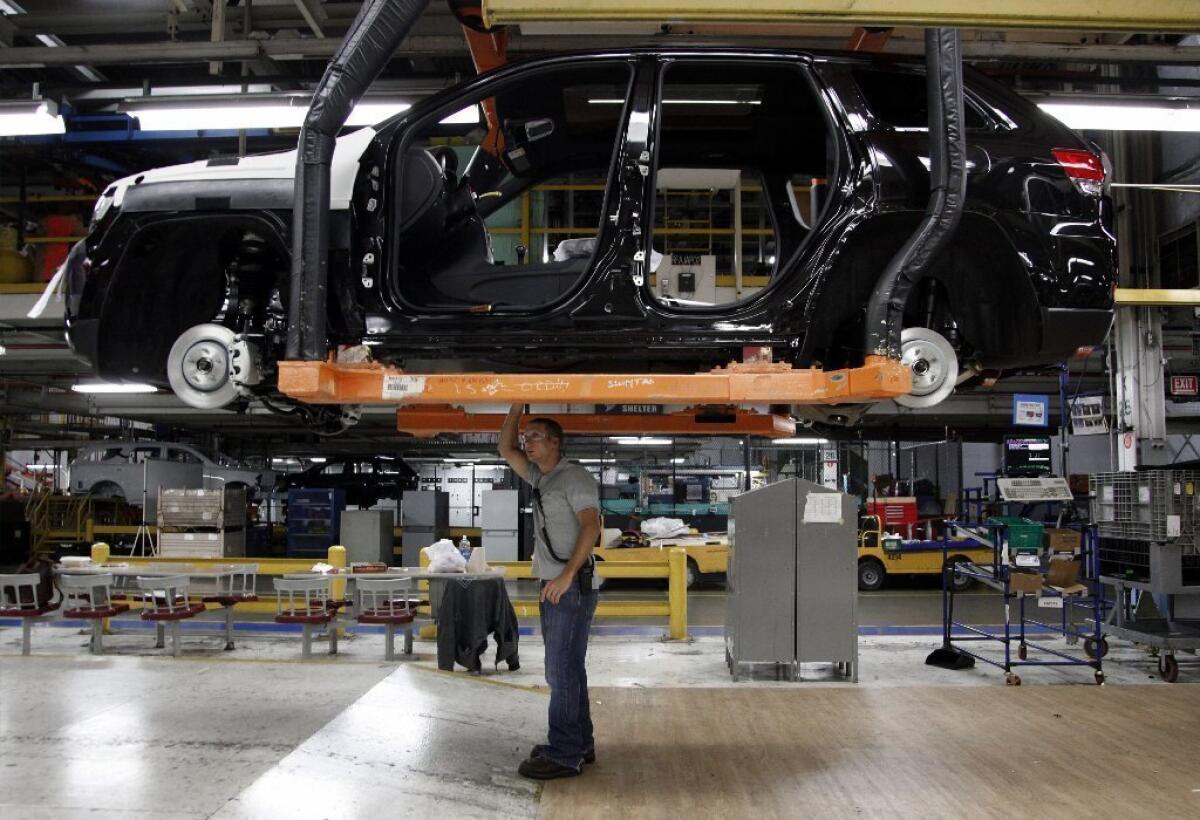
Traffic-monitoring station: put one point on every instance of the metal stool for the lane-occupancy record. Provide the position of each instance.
(236, 587)
(387, 601)
(90, 597)
(18, 599)
(305, 601)
(165, 601)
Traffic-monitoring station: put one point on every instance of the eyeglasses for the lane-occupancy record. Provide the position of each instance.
(532, 435)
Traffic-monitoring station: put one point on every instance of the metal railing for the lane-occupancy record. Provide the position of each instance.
(673, 567)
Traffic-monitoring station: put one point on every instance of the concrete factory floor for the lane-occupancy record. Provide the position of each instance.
(257, 733)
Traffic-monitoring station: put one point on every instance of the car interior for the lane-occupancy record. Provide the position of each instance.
(562, 125)
(744, 158)
(480, 229)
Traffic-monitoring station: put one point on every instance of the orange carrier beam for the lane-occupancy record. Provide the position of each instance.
(430, 421)
(748, 383)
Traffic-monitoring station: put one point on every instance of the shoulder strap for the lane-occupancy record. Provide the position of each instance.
(537, 501)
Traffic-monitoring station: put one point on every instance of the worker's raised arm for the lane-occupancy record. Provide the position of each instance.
(510, 447)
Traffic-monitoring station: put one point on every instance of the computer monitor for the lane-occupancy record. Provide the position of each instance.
(1027, 456)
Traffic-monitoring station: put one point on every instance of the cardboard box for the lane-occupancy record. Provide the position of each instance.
(1062, 573)
(1062, 540)
(1029, 583)
(1063, 577)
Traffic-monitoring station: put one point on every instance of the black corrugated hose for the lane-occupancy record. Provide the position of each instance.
(373, 38)
(947, 192)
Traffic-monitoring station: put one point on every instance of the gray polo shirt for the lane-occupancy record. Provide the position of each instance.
(566, 490)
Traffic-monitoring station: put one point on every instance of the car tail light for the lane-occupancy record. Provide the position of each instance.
(1083, 168)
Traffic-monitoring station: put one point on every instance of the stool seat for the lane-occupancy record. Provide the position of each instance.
(232, 599)
(26, 612)
(336, 605)
(298, 618)
(97, 614)
(191, 610)
(385, 617)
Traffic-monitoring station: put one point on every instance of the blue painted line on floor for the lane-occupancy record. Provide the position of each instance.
(600, 630)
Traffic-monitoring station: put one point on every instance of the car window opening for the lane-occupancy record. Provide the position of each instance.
(510, 218)
(743, 157)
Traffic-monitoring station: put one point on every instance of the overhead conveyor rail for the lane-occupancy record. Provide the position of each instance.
(1093, 15)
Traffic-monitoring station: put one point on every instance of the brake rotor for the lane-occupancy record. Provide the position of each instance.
(934, 366)
(200, 367)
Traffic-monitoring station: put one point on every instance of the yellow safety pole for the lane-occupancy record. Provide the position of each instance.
(337, 559)
(100, 555)
(677, 593)
(427, 632)
(337, 588)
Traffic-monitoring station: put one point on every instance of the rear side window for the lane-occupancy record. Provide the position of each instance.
(898, 99)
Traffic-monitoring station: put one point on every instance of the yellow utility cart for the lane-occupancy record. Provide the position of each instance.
(706, 554)
(880, 556)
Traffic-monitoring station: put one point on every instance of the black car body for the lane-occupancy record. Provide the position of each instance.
(366, 481)
(827, 152)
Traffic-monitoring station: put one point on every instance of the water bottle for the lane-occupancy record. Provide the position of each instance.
(464, 547)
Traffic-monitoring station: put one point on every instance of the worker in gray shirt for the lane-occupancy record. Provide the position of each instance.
(566, 511)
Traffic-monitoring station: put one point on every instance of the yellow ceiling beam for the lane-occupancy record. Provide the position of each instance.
(1157, 297)
(1095, 15)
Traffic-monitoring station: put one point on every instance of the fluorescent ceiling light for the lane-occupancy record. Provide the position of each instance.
(317, 459)
(595, 460)
(678, 460)
(113, 387)
(228, 112)
(800, 441)
(614, 101)
(42, 467)
(649, 440)
(1132, 116)
(29, 117)
(10, 7)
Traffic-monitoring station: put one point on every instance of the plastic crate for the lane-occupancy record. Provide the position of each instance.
(1022, 533)
(1158, 506)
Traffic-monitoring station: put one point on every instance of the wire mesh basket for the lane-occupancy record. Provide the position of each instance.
(1158, 506)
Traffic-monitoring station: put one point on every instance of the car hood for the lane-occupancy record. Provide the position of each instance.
(279, 165)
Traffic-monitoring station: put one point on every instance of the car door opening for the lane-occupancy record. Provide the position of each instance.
(516, 229)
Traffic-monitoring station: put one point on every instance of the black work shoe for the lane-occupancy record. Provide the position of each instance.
(540, 768)
(540, 751)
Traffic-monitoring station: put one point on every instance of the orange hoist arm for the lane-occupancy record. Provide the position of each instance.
(489, 49)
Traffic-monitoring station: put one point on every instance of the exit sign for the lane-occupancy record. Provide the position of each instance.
(1185, 385)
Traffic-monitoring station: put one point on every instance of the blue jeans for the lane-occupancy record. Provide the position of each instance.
(565, 628)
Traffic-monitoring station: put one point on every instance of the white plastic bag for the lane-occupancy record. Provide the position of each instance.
(478, 561)
(444, 557)
(663, 527)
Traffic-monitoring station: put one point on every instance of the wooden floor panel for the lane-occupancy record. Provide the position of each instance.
(1044, 751)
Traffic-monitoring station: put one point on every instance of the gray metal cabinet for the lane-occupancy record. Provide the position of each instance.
(792, 579)
(500, 520)
(367, 536)
(425, 516)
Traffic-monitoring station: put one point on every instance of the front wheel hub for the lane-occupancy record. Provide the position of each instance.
(934, 366)
(199, 367)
